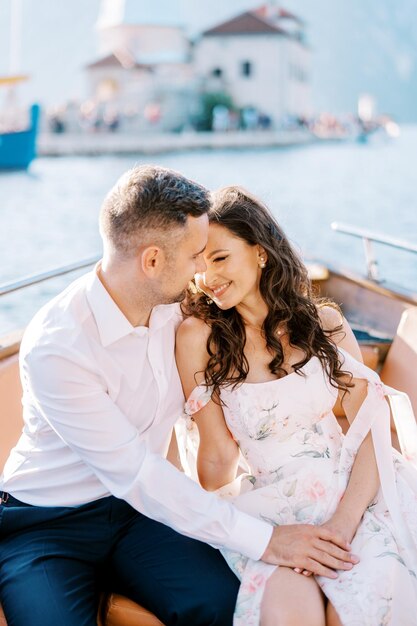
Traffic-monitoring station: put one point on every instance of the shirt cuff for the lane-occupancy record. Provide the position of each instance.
(250, 536)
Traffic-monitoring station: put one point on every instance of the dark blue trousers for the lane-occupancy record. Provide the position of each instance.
(55, 560)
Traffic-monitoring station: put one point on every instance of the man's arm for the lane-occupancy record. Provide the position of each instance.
(73, 399)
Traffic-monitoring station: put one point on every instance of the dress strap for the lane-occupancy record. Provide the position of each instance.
(401, 409)
(198, 398)
(374, 416)
(186, 429)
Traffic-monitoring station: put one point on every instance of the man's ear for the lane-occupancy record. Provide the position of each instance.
(152, 261)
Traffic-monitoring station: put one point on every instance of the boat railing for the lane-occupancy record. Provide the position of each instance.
(34, 279)
(369, 238)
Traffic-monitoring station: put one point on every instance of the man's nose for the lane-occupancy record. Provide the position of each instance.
(204, 278)
(200, 265)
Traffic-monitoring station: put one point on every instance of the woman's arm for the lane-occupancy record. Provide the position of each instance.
(363, 483)
(218, 453)
(331, 318)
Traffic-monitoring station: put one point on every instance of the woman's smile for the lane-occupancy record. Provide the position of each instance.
(219, 291)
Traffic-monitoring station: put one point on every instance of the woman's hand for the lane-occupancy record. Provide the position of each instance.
(340, 524)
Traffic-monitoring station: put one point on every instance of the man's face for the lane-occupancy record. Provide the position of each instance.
(185, 260)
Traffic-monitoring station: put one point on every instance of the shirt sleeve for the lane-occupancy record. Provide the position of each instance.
(72, 398)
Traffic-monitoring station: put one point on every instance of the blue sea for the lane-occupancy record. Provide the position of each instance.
(48, 216)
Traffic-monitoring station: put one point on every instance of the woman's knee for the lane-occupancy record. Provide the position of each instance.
(291, 599)
(332, 618)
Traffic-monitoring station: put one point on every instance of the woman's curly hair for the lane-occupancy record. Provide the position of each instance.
(285, 288)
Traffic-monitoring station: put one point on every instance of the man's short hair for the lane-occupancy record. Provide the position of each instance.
(149, 200)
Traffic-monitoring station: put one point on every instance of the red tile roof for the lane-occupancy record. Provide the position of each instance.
(108, 61)
(266, 11)
(245, 23)
(119, 60)
(265, 19)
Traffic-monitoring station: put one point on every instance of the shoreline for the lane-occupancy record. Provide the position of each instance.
(72, 144)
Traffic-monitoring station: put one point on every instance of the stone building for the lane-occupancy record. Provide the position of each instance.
(151, 74)
(261, 59)
(144, 71)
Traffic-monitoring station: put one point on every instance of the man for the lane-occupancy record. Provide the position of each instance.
(86, 491)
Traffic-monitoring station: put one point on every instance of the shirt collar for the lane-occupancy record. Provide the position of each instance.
(111, 322)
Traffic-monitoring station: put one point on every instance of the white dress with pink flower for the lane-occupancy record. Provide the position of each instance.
(300, 464)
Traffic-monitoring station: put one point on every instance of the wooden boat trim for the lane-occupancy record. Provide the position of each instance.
(386, 289)
(10, 344)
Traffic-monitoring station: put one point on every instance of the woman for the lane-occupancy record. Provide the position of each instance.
(262, 371)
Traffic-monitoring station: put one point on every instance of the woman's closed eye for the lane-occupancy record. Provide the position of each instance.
(219, 258)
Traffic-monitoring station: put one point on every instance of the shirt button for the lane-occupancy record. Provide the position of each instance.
(141, 331)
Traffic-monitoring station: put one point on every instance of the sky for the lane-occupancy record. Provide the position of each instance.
(358, 46)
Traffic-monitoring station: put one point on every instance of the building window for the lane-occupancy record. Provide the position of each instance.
(297, 73)
(217, 72)
(246, 69)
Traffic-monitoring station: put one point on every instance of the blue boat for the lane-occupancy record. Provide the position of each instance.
(18, 149)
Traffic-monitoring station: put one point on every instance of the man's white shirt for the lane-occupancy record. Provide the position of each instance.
(100, 399)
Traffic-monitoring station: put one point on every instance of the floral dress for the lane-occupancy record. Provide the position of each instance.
(300, 463)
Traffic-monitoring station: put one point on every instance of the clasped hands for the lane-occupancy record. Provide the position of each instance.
(309, 549)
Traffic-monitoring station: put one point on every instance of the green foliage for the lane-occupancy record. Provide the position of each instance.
(208, 100)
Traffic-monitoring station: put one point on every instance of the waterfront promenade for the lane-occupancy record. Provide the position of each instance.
(92, 144)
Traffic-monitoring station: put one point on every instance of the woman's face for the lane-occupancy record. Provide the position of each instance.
(233, 268)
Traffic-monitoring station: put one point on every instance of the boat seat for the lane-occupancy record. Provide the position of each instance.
(370, 356)
(120, 611)
(400, 367)
(11, 406)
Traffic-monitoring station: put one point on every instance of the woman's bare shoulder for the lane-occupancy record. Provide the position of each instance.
(191, 350)
(332, 320)
(191, 333)
(330, 317)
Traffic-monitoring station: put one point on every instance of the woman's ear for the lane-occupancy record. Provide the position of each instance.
(262, 256)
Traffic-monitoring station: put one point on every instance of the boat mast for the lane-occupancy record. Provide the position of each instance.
(15, 37)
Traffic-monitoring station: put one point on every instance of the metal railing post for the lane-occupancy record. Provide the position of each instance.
(372, 270)
(368, 237)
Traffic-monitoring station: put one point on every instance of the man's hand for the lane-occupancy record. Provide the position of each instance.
(313, 548)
